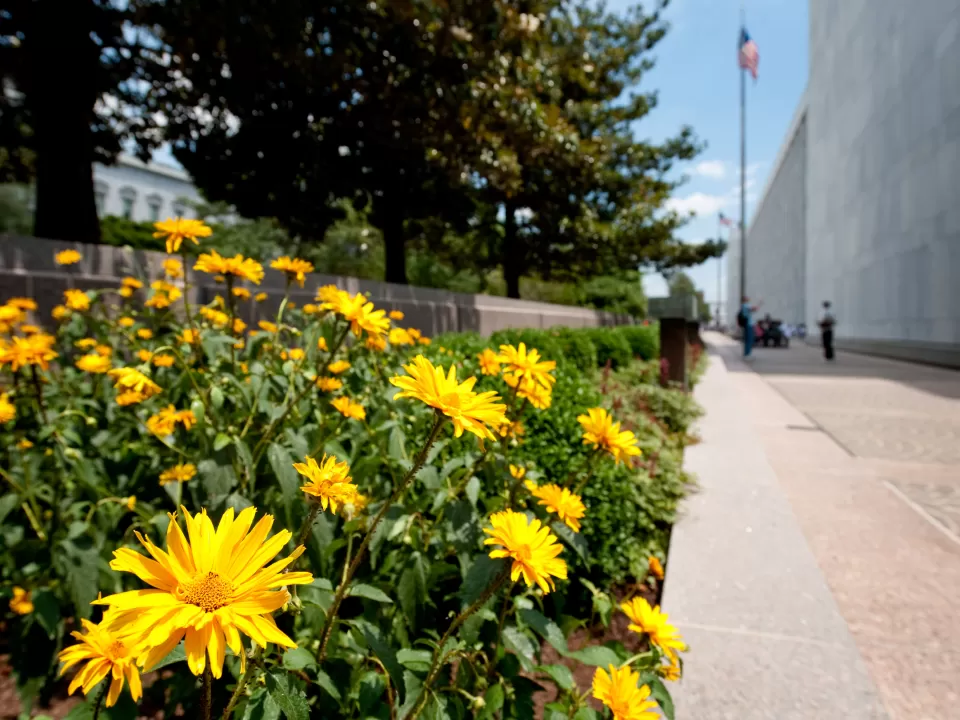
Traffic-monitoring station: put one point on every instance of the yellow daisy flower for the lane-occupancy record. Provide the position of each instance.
(566, 505)
(163, 360)
(34, 350)
(359, 312)
(189, 337)
(653, 623)
(67, 257)
(22, 303)
(24, 444)
(338, 367)
(670, 671)
(602, 432)
(108, 653)
(399, 336)
(489, 362)
(176, 230)
(512, 430)
(329, 481)
(103, 350)
(130, 382)
(237, 266)
(178, 473)
(94, 363)
(85, 343)
(132, 283)
(618, 691)
(60, 312)
(260, 297)
(329, 384)
(29, 329)
(267, 326)
(310, 309)
(517, 471)
(295, 268)
(144, 355)
(377, 343)
(468, 410)
(322, 344)
(131, 503)
(531, 546)
(531, 391)
(165, 422)
(7, 410)
(396, 315)
(522, 363)
(126, 322)
(656, 568)
(76, 299)
(207, 590)
(22, 601)
(172, 268)
(349, 408)
(145, 333)
(241, 293)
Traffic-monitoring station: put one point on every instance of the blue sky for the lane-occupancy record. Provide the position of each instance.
(698, 83)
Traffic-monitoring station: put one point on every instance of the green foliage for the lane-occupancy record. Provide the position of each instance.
(577, 347)
(549, 346)
(119, 232)
(677, 410)
(15, 215)
(617, 294)
(644, 340)
(612, 346)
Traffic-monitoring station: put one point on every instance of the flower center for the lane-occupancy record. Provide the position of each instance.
(208, 591)
(523, 553)
(117, 650)
(450, 400)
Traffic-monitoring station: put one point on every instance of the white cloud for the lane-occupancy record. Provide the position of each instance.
(716, 169)
(699, 203)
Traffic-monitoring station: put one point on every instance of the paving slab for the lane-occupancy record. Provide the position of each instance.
(767, 637)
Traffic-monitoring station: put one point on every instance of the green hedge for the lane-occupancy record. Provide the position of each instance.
(644, 340)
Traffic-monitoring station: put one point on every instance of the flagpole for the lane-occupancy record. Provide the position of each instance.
(719, 270)
(743, 166)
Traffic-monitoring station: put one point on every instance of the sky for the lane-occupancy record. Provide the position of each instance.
(698, 82)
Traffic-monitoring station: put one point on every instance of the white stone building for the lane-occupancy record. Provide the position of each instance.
(144, 192)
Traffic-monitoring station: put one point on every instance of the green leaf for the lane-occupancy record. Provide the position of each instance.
(81, 565)
(221, 441)
(412, 588)
(473, 490)
(176, 655)
(46, 609)
(560, 674)
(218, 480)
(573, 540)
(287, 692)
(587, 713)
(298, 659)
(660, 693)
(483, 571)
(596, 655)
(382, 650)
(514, 639)
(326, 682)
(411, 688)
(369, 592)
(450, 466)
(493, 698)
(547, 629)
(7, 504)
(216, 397)
(246, 457)
(196, 407)
(261, 707)
(396, 446)
(417, 660)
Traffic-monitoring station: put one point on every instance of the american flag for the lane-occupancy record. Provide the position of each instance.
(724, 220)
(749, 54)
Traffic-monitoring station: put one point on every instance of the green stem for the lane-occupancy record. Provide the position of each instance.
(437, 661)
(206, 693)
(308, 524)
(242, 682)
(98, 703)
(355, 563)
(503, 617)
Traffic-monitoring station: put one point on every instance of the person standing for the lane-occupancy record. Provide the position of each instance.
(745, 321)
(827, 323)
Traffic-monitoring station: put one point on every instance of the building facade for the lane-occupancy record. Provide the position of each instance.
(144, 192)
(862, 207)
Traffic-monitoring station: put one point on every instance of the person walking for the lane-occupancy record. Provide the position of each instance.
(827, 323)
(745, 321)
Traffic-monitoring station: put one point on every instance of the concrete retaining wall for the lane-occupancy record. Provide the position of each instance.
(27, 269)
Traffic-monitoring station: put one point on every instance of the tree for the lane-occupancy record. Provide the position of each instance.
(681, 285)
(72, 72)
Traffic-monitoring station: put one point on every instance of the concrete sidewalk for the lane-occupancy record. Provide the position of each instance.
(767, 637)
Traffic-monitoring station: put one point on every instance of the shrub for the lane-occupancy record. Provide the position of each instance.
(577, 347)
(548, 345)
(141, 427)
(611, 347)
(644, 340)
(675, 408)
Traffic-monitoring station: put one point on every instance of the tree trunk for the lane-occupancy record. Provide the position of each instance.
(65, 65)
(394, 243)
(511, 253)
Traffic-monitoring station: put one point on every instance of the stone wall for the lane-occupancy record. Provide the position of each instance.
(27, 269)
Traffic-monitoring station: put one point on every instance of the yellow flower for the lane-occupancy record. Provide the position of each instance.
(238, 326)
(126, 322)
(189, 336)
(377, 343)
(11, 315)
(144, 333)
(294, 354)
(414, 333)
(126, 292)
(399, 336)
(329, 384)
(237, 266)
(396, 315)
(267, 326)
(423, 340)
(600, 431)
(295, 268)
(329, 481)
(531, 391)
(512, 429)
(209, 589)
(85, 343)
(522, 363)
(619, 692)
(178, 473)
(653, 623)
(24, 444)
(22, 601)
(94, 363)
(67, 257)
(29, 329)
(328, 295)
(76, 299)
(164, 294)
(176, 230)
(217, 278)
(165, 422)
(489, 362)
(669, 671)
(103, 350)
(129, 397)
(60, 312)
(163, 360)
(7, 411)
(22, 303)
(566, 505)
(468, 410)
(33, 350)
(532, 547)
(241, 293)
(132, 283)
(340, 366)
(131, 503)
(349, 408)
(131, 381)
(359, 312)
(172, 268)
(260, 297)
(517, 471)
(108, 654)
(656, 568)
(354, 506)
(215, 317)
(310, 309)
(322, 344)
(144, 355)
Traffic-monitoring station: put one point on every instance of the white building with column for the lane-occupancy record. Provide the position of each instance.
(144, 192)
